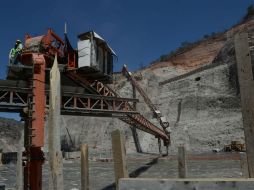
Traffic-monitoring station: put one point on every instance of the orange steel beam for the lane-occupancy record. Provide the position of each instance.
(50, 42)
(39, 101)
(72, 60)
(52, 45)
(164, 124)
(33, 169)
(33, 152)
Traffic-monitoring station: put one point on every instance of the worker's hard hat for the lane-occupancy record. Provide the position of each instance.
(18, 41)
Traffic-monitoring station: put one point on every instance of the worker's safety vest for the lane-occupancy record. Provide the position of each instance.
(13, 53)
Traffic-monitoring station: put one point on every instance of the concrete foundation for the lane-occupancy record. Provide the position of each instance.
(186, 184)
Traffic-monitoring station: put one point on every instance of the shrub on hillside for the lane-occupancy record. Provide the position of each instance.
(250, 13)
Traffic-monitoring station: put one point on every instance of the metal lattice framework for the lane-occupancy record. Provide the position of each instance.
(135, 120)
(14, 98)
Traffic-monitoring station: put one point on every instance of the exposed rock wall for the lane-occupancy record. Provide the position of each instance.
(203, 110)
(203, 107)
(10, 133)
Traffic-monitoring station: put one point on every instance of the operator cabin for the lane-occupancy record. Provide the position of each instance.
(95, 57)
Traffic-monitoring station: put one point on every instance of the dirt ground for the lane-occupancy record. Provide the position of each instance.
(140, 165)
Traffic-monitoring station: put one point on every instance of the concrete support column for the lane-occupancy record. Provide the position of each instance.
(245, 78)
(54, 131)
(84, 167)
(244, 165)
(1, 158)
(119, 156)
(19, 183)
(182, 167)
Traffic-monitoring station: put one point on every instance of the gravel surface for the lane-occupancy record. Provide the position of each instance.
(102, 174)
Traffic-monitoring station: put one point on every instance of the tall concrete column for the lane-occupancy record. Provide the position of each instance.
(1, 159)
(54, 128)
(119, 156)
(182, 166)
(245, 77)
(19, 181)
(84, 167)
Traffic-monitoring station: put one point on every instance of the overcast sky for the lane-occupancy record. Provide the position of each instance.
(138, 31)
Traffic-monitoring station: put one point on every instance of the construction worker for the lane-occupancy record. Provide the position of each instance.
(15, 53)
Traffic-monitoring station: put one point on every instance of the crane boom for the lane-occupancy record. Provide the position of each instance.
(162, 120)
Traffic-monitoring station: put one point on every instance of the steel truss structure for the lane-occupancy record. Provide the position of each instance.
(14, 98)
(137, 120)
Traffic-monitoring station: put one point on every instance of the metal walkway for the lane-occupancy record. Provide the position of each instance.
(14, 97)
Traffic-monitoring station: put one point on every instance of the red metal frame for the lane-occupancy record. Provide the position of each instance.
(14, 98)
(71, 60)
(136, 120)
(38, 100)
(52, 44)
(33, 152)
(164, 124)
(52, 49)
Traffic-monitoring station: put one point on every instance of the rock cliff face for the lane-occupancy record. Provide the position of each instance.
(196, 90)
(10, 133)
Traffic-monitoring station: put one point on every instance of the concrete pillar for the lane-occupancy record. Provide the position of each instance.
(182, 167)
(136, 139)
(245, 77)
(1, 163)
(19, 183)
(119, 156)
(159, 146)
(84, 167)
(54, 131)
